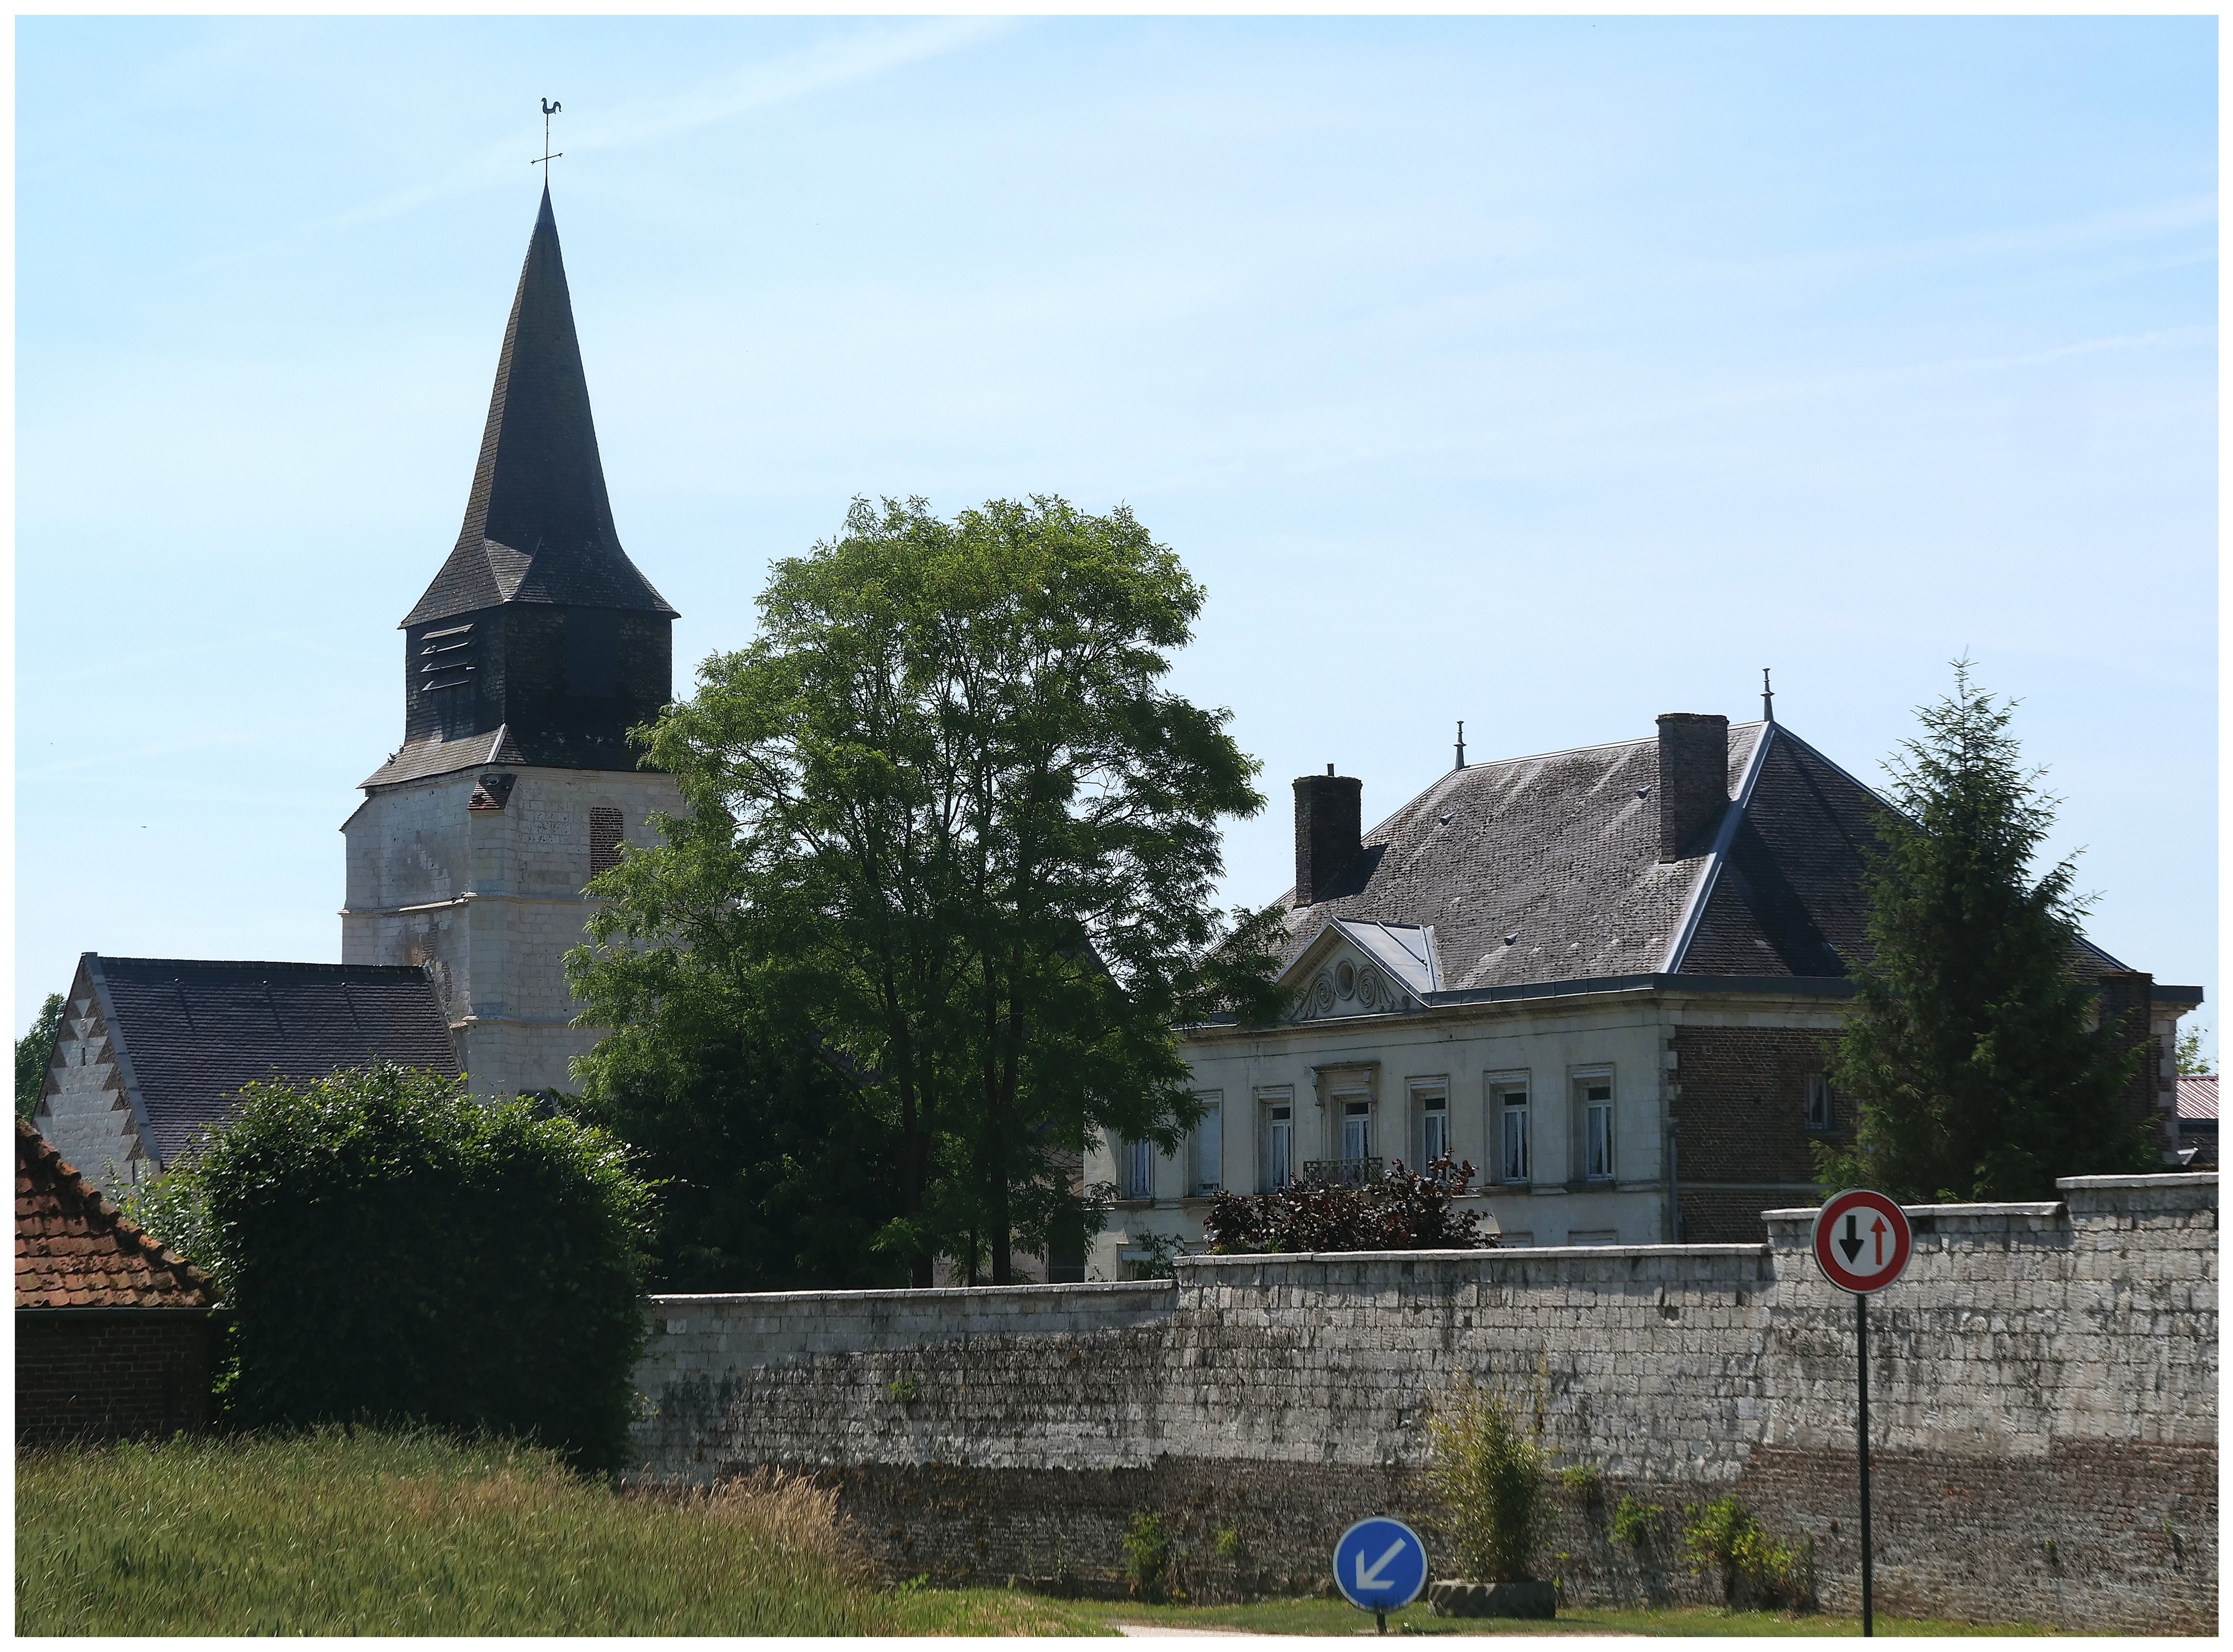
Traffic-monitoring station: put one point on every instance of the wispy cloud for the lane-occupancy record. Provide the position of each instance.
(762, 84)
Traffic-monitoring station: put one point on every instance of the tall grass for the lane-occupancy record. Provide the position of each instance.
(409, 1533)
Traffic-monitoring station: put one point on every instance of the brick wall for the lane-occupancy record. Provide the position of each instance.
(2044, 1372)
(106, 1375)
(1742, 1145)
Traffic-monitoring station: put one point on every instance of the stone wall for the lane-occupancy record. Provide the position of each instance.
(2043, 1386)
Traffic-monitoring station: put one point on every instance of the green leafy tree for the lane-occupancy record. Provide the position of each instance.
(1980, 1064)
(2193, 1061)
(393, 1249)
(947, 823)
(35, 1053)
(772, 1171)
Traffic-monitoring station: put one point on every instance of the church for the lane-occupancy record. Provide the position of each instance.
(535, 649)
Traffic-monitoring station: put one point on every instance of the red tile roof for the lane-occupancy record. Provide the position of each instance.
(73, 1249)
(2197, 1095)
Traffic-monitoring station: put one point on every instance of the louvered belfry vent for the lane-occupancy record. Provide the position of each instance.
(445, 657)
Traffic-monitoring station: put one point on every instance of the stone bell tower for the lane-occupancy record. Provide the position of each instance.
(535, 650)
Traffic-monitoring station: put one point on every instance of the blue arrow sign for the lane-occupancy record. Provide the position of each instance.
(1380, 1564)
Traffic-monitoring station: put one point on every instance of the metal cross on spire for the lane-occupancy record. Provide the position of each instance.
(1767, 698)
(544, 159)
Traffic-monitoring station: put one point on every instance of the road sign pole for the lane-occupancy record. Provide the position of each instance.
(1862, 1242)
(1868, 1560)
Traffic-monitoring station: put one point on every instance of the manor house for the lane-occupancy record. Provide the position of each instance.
(1608, 978)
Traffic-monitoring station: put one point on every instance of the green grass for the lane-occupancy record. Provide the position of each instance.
(383, 1533)
(1340, 1617)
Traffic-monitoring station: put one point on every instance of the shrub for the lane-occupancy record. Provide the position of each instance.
(1147, 1555)
(1633, 1522)
(1487, 1466)
(395, 1250)
(1723, 1537)
(1402, 1211)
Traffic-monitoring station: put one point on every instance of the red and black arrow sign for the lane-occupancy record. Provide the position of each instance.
(1862, 1240)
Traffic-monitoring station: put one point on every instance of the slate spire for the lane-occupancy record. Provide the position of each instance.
(538, 525)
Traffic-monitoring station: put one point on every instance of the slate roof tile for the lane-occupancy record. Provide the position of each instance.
(538, 523)
(428, 758)
(196, 1029)
(1547, 868)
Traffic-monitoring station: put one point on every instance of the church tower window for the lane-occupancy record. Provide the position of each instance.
(604, 840)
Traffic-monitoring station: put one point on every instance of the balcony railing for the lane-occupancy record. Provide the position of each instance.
(1354, 1173)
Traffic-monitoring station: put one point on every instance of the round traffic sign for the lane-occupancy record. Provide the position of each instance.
(1380, 1564)
(1862, 1240)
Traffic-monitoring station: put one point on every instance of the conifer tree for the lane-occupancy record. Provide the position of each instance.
(1975, 1052)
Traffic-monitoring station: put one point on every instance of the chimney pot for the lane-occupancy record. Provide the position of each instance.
(1329, 825)
(1694, 781)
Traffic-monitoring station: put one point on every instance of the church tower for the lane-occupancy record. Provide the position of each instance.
(535, 648)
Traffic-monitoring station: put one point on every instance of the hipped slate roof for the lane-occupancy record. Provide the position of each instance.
(444, 757)
(538, 524)
(73, 1249)
(190, 1032)
(1547, 868)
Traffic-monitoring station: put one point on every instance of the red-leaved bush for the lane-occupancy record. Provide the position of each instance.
(1402, 1211)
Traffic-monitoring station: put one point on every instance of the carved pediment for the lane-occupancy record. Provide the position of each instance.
(1355, 968)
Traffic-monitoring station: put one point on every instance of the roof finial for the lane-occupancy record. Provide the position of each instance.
(544, 159)
(1460, 743)
(1767, 698)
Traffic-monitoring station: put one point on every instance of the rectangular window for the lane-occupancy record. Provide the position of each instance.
(1138, 1177)
(1356, 1130)
(1278, 1144)
(1596, 1129)
(1209, 1148)
(1514, 1163)
(1434, 1125)
(604, 840)
(1820, 1117)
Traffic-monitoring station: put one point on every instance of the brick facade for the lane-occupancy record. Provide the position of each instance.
(113, 1333)
(1743, 1145)
(96, 1374)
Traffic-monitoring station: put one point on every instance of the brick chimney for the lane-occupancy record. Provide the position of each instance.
(1694, 781)
(1329, 821)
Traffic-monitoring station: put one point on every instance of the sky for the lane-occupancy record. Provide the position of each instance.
(1549, 375)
